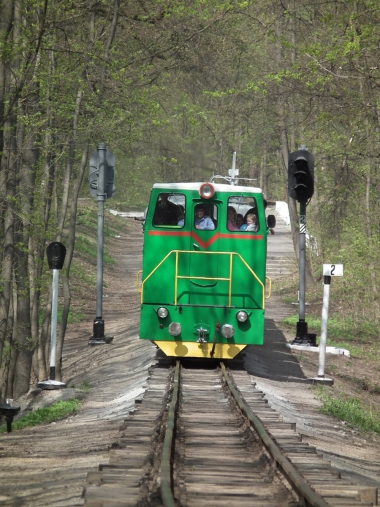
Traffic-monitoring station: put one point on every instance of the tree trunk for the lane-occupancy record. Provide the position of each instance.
(293, 215)
(76, 189)
(7, 192)
(24, 279)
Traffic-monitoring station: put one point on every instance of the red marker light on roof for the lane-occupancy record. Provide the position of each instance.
(206, 191)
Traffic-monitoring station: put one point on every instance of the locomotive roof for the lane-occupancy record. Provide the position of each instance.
(219, 187)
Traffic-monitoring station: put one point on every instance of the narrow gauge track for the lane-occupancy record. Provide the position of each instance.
(209, 438)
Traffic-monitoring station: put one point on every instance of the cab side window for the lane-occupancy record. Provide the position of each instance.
(242, 214)
(169, 210)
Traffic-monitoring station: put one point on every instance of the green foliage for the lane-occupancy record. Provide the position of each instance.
(339, 328)
(45, 415)
(75, 315)
(85, 387)
(88, 247)
(82, 275)
(350, 410)
(181, 86)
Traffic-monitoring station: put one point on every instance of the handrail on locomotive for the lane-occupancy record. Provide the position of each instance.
(229, 278)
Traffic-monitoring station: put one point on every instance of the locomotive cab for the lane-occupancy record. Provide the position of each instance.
(203, 275)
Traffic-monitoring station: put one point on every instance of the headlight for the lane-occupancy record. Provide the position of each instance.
(227, 331)
(241, 316)
(206, 191)
(175, 328)
(162, 312)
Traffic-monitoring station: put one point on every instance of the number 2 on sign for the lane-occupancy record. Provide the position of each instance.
(332, 269)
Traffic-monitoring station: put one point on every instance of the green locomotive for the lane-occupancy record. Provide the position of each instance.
(203, 281)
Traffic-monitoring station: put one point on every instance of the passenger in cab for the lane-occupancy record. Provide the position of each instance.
(181, 216)
(165, 212)
(239, 221)
(251, 224)
(231, 219)
(202, 221)
(251, 211)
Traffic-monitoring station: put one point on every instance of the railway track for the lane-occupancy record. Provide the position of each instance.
(207, 437)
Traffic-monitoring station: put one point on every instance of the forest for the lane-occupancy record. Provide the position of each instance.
(173, 87)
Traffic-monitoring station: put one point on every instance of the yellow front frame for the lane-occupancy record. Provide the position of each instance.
(194, 349)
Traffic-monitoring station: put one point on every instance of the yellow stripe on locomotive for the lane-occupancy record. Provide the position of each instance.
(203, 274)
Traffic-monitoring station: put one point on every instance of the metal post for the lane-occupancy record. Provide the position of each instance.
(302, 335)
(321, 379)
(100, 198)
(233, 170)
(53, 333)
(325, 316)
(233, 173)
(98, 337)
(301, 330)
(52, 383)
(302, 261)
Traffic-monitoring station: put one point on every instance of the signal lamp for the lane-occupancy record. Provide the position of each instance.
(206, 191)
(241, 316)
(301, 175)
(162, 312)
(175, 328)
(227, 331)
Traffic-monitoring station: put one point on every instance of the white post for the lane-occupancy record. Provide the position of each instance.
(325, 315)
(54, 313)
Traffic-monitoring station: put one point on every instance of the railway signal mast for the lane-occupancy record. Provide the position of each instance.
(102, 185)
(301, 188)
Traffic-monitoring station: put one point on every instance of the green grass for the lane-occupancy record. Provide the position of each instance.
(337, 328)
(342, 333)
(59, 410)
(350, 410)
(79, 273)
(88, 217)
(90, 248)
(73, 317)
(85, 387)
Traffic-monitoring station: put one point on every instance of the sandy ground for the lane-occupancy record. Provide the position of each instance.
(47, 465)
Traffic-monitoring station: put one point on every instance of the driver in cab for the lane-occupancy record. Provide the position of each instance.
(202, 221)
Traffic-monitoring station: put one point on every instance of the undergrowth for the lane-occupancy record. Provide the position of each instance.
(346, 330)
(350, 410)
(50, 414)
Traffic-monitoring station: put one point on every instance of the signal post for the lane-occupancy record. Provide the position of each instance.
(102, 185)
(301, 188)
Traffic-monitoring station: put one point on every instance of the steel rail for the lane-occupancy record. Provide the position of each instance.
(166, 472)
(294, 477)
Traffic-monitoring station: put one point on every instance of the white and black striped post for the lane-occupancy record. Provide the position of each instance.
(329, 270)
